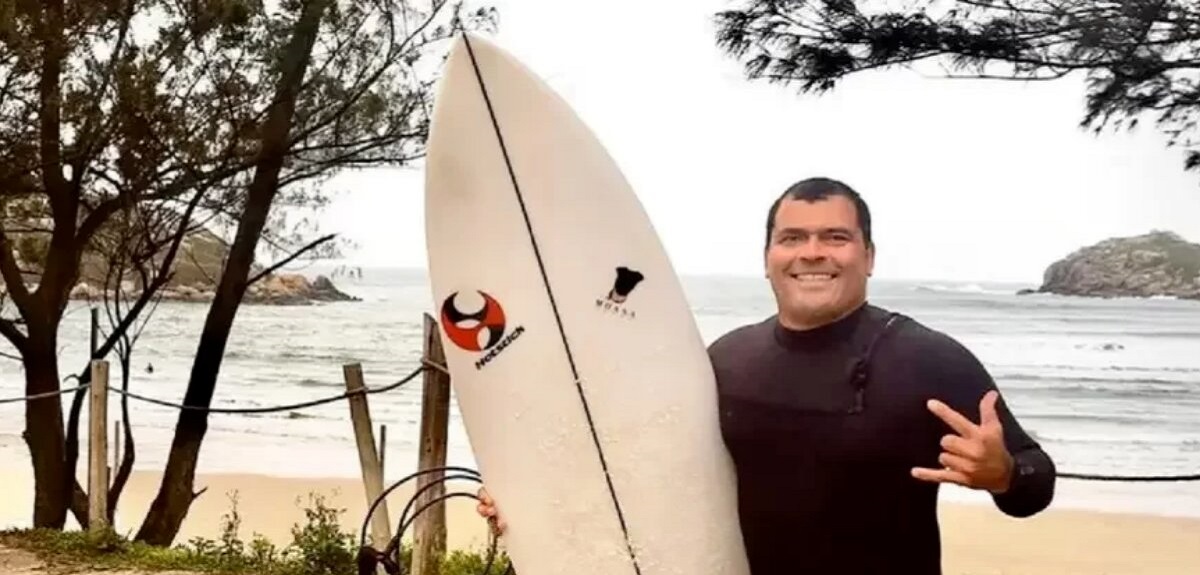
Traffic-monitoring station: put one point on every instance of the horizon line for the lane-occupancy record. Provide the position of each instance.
(681, 273)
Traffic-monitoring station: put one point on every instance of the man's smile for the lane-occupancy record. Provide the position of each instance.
(813, 277)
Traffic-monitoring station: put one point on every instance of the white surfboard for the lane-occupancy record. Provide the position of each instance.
(582, 380)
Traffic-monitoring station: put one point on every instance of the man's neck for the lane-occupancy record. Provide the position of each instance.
(809, 324)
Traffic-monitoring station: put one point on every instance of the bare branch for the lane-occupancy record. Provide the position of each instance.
(14, 281)
(270, 270)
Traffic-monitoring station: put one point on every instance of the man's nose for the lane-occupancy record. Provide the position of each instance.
(810, 249)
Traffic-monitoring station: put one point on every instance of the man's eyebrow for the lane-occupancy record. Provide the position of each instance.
(798, 230)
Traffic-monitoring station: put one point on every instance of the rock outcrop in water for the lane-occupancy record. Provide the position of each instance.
(1155, 264)
(197, 269)
(277, 289)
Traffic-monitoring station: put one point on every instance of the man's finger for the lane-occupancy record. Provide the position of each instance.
(952, 418)
(987, 409)
(962, 447)
(939, 475)
(963, 465)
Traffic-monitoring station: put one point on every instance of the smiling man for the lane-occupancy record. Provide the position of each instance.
(843, 418)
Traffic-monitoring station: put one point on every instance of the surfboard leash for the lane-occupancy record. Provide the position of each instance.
(369, 558)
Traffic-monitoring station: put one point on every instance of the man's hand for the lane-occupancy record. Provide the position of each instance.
(976, 457)
(487, 509)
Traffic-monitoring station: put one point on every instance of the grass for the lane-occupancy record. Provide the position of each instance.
(319, 547)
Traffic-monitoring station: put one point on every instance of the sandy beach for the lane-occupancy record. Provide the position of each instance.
(977, 540)
(266, 505)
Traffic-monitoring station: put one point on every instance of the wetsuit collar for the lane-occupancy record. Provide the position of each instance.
(838, 330)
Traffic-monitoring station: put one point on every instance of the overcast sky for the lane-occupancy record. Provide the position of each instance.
(967, 180)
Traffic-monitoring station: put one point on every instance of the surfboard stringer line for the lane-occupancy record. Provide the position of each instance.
(553, 305)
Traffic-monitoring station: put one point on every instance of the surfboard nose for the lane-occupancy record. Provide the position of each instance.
(463, 45)
(457, 56)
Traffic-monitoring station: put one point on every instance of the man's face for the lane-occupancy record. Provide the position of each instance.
(817, 261)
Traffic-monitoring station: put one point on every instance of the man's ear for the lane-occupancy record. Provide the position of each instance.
(870, 260)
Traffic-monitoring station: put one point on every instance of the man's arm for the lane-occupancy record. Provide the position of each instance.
(962, 382)
(1032, 483)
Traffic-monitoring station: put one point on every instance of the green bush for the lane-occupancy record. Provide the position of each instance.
(318, 547)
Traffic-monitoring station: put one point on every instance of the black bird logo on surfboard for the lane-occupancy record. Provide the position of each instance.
(627, 279)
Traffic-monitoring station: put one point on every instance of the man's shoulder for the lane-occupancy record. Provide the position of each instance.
(912, 335)
(738, 339)
(915, 339)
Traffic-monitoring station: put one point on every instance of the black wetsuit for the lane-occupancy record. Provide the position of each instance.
(824, 480)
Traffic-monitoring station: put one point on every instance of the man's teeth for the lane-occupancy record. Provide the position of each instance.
(813, 277)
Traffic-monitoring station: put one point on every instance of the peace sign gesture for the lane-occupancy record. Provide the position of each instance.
(976, 457)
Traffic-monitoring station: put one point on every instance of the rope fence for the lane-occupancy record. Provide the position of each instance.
(48, 394)
(424, 512)
(277, 408)
(1133, 478)
(427, 365)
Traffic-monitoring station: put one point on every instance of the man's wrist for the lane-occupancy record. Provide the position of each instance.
(1010, 467)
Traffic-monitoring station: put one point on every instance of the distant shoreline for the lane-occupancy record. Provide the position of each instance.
(290, 289)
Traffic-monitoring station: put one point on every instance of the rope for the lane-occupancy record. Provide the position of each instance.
(435, 366)
(426, 364)
(38, 396)
(1139, 478)
(274, 409)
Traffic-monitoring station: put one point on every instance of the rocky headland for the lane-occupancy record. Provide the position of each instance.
(197, 269)
(1156, 264)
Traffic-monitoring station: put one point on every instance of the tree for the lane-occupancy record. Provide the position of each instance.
(138, 248)
(1140, 57)
(121, 118)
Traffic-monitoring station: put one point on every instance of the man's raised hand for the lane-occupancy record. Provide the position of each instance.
(976, 457)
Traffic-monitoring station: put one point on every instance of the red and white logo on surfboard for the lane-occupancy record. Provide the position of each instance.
(481, 328)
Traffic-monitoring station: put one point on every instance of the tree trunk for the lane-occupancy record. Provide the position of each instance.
(43, 309)
(44, 434)
(175, 495)
(126, 468)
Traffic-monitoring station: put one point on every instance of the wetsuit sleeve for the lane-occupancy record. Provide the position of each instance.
(962, 381)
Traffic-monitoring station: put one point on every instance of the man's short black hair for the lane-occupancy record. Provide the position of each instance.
(814, 189)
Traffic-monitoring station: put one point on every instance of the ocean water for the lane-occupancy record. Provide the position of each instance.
(1107, 386)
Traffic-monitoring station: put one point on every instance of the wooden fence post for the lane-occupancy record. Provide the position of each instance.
(383, 449)
(368, 457)
(98, 448)
(116, 443)
(95, 333)
(430, 537)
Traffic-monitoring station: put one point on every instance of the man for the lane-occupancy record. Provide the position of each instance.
(843, 418)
